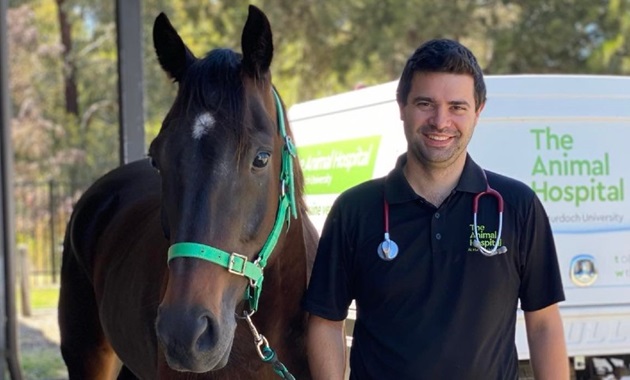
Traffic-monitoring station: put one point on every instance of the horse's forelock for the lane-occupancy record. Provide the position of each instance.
(213, 84)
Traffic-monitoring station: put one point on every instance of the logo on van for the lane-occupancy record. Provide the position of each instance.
(331, 168)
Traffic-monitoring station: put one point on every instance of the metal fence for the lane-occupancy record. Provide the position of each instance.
(42, 210)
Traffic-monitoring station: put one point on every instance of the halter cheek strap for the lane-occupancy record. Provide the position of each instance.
(239, 264)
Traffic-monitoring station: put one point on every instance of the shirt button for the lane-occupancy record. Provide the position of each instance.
(438, 236)
(437, 215)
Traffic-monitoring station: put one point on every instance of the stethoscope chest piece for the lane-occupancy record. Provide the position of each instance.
(388, 249)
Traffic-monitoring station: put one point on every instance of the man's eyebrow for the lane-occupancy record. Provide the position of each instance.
(424, 99)
(459, 103)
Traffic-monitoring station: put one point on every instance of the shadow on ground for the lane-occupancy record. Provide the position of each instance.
(40, 357)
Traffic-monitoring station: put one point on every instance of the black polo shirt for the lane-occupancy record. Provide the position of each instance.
(441, 309)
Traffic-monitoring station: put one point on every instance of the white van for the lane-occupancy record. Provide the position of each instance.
(566, 136)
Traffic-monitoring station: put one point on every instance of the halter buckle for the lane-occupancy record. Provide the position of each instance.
(236, 264)
(289, 146)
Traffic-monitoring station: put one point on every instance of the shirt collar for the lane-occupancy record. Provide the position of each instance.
(473, 178)
(398, 190)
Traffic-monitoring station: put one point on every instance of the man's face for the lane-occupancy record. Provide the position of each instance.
(439, 118)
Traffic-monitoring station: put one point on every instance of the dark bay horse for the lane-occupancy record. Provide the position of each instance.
(164, 258)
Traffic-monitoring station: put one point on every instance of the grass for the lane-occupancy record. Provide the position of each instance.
(42, 362)
(40, 298)
(44, 298)
(45, 363)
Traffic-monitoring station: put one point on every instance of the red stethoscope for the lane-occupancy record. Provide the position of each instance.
(388, 249)
(496, 250)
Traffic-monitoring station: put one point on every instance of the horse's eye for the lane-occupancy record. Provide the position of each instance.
(261, 160)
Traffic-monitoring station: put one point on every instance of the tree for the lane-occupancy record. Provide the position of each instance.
(612, 55)
(33, 130)
(71, 94)
(66, 76)
(547, 37)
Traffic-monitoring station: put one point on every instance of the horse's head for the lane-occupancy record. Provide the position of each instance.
(220, 154)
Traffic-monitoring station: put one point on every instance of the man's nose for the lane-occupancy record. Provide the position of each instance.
(441, 118)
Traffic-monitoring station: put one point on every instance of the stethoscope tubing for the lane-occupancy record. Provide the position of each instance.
(388, 249)
(496, 250)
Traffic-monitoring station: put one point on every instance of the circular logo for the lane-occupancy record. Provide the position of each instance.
(583, 270)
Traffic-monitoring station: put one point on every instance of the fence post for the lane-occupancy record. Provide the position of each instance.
(25, 287)
(53, 241)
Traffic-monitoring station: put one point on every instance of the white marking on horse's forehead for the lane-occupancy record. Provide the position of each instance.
(203, 123)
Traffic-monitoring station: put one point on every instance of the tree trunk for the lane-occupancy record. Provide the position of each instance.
(69, 69)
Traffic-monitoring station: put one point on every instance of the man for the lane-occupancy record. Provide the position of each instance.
(445, 306)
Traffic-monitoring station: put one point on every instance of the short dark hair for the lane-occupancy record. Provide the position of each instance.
(442, 56)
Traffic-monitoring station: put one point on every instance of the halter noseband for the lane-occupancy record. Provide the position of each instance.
(239, 264)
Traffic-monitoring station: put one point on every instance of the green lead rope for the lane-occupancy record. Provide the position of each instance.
(278, 367)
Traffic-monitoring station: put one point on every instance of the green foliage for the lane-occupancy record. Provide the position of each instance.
(612, 56)
(548, 37)
(48, 142)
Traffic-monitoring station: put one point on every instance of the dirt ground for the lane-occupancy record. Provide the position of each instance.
(38, 336)
(39, 330)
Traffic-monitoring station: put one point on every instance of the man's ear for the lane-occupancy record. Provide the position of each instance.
(478, 111)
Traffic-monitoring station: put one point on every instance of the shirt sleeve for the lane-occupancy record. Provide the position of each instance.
(328, 294)
(541, 282)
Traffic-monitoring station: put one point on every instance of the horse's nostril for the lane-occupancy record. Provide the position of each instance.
(207, 338)
(187, 332)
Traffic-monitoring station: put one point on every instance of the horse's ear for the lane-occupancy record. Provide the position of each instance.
(257, 43)
(173, 55)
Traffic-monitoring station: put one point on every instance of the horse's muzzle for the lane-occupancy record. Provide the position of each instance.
(193, 340)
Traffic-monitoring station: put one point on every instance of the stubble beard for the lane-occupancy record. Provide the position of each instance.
(434, 158)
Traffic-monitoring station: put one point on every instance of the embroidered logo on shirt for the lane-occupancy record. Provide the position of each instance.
(486, 238)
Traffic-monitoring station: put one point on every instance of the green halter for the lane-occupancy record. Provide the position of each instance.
(239, 264)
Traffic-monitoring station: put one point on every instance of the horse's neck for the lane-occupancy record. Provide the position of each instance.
(301, 242)
(280, 317)
(311, 239)
(293, 259)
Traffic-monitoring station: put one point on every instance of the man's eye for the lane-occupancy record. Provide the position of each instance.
(459, 109)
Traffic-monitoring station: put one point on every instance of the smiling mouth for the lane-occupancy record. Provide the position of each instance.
(438, 137)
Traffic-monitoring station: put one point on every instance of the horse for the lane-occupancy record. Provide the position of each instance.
(191, 263)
